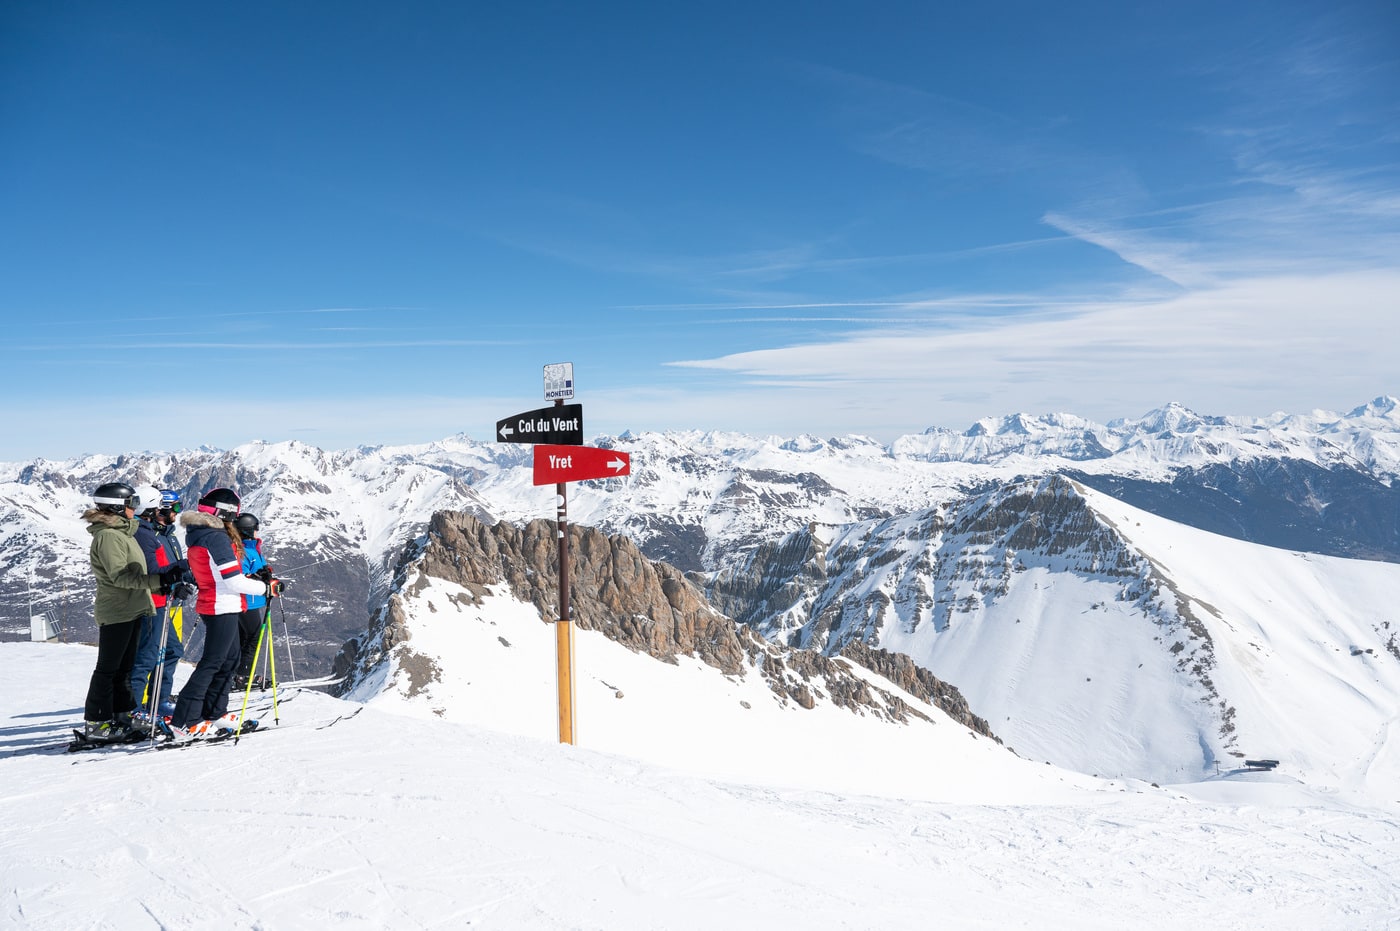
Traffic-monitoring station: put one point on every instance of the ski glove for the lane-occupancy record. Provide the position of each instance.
(172, 576)
(265, 574)
(275, 587)
(182, 591)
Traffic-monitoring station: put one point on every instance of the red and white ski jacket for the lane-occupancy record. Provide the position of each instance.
(217, 569)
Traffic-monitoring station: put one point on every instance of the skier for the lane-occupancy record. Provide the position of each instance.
(251, 620)
(157, 540)
(215, 557)
(124, 587)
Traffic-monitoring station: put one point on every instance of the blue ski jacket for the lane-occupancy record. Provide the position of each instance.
(161, 549)
(252, 562)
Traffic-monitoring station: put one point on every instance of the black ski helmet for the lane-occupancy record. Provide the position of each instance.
(115, 497)
(223, 503)
(247, 525)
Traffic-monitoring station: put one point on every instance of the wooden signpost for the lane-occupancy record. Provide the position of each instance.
(559, 458)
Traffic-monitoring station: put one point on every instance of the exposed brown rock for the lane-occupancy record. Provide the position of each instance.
(647, 606)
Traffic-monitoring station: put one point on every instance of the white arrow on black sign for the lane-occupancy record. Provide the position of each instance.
(560, 425)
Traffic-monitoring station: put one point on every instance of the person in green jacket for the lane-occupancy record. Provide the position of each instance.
(124, 590)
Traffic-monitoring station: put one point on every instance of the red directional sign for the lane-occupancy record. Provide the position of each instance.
(554, 464)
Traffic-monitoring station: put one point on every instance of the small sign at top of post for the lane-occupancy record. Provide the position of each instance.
(559, 381)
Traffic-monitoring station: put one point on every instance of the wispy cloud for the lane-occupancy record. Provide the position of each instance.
(1301, 340)
(925, 130)
(279, 345)
(196, 316)
(1022, 300)
(1169, 260)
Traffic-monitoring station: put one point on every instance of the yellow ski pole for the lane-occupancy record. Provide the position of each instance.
(248, 687)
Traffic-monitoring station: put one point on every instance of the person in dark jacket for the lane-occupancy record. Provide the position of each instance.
(215, 553)
(155, 535)
(250, 622)
(124, 587)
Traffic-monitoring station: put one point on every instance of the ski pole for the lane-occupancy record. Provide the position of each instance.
(155, 679)
(272, 661)
(248, 686)
(286, 632)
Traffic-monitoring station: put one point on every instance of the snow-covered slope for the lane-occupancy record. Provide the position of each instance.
(493, 665)
(388, 820)
(465, 635)
(1306, 647)
(1104, 639)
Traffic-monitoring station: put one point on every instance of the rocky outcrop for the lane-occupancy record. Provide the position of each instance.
(917, 681)
(644, 605)
(649, 607)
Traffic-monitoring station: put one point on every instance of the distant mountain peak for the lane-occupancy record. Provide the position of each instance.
(1385, 407)
(1173, 418)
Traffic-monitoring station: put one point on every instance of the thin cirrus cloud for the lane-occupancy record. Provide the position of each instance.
(235, 345)
(1235, 346)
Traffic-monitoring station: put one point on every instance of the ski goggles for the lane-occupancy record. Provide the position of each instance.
(170, 501)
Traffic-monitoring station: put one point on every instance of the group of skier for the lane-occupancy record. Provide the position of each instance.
(141, 572)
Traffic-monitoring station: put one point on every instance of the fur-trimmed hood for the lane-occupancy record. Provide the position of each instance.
(100, 518)
(190, 519)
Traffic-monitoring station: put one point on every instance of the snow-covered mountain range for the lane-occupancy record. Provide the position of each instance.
(335, 520)
(988, 557)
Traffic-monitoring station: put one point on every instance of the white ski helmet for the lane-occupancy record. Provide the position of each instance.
(149, 498)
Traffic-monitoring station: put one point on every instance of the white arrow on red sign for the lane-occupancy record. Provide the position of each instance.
(554, 464)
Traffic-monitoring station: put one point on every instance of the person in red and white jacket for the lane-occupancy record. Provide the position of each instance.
(215, 553)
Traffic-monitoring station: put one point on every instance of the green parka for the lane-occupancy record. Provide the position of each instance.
(123, 585)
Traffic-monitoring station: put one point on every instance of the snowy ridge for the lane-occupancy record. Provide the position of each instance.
(490, 662)
(1105, 639)
(643, 608)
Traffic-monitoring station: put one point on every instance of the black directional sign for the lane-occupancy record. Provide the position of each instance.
(560, 425)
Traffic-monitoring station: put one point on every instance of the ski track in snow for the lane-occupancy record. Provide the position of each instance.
(392, 821)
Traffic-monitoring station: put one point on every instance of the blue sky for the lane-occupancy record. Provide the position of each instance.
(361, 223)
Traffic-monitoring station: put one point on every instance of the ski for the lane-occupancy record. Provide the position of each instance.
(266, 690)
(221, 735)
(82, 741)
(224, 734)
(310, 683)
(164, 739)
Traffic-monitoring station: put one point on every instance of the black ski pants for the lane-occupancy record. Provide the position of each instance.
(109, 691)
(204, 695)
(249, 627)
